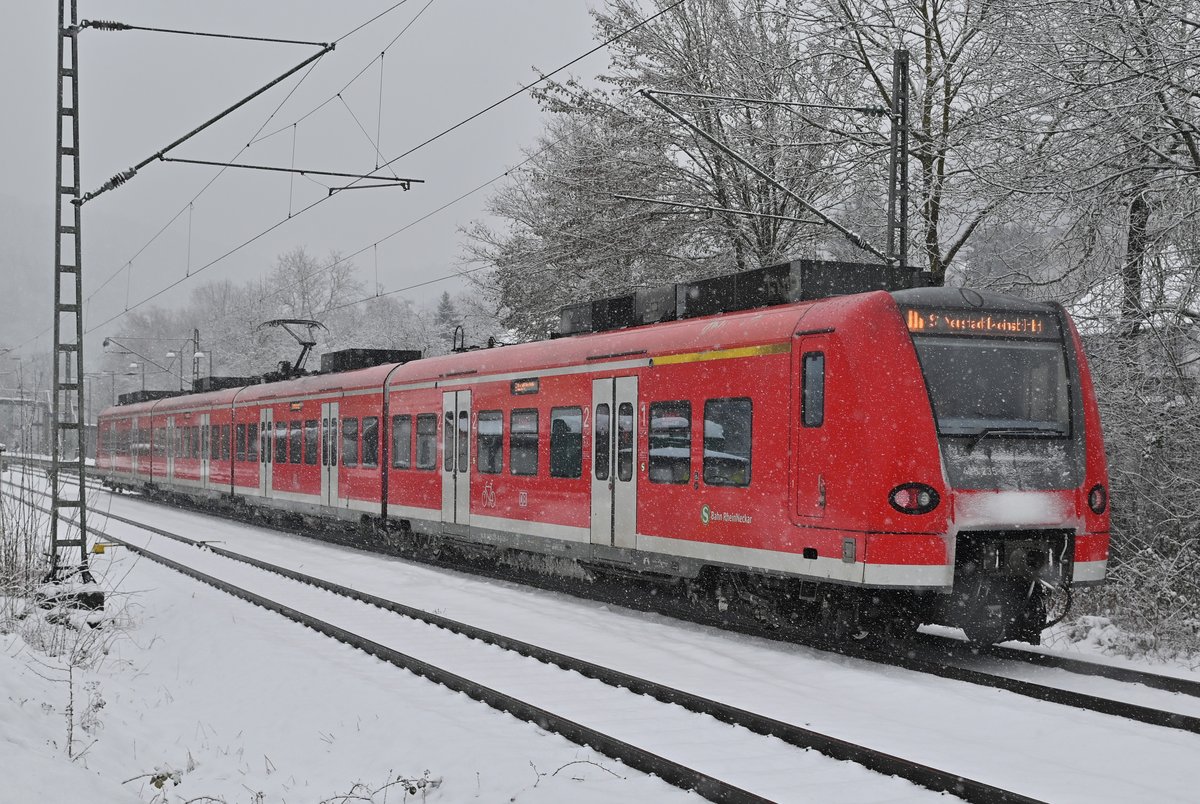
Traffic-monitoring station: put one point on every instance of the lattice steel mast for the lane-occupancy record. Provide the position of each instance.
(68, 410)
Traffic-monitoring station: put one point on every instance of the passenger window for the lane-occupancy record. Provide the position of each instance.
(566, 442)
(812, 396)
(297, 440)
(464, 440)
(625, 447)
(370, 441)
(252, 442)
(402, 441)
(311, 439)
(491, 442)
(427, 441)
(523, 442)
(448, 446)
(349, 442)
(241, 442)
(603, 437)
(670, 442)
(727, 442)
(281, 442)
(225, 430)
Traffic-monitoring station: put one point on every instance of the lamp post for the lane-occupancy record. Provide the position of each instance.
(201, 355)
(173, 355)
(128, 351)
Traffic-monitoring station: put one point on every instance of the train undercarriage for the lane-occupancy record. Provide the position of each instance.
(1006, 583)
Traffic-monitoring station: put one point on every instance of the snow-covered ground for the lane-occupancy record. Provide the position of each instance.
(244, 706)
(240, 702)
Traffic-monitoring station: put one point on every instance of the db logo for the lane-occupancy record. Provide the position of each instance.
(705, 515)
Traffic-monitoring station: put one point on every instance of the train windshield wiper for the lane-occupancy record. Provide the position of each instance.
(1016, 431)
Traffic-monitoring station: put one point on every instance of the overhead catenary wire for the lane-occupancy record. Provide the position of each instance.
(410, 151)
(188, 207)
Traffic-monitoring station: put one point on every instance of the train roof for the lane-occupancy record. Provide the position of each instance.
(722, 331)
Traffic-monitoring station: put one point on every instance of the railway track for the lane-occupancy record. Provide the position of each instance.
(965, 654)
(992, 666)
(728, 735)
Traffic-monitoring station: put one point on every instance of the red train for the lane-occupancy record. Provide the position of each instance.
(878, 459)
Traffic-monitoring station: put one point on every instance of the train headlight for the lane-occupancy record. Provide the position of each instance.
(1098, 499)
(914, 498)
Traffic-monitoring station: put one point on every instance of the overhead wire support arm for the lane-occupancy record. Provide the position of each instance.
(126, 175)
(384, 181)
(705, 208)
(109, 25)
(762, 174)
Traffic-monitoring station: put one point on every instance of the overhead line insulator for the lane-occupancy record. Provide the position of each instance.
(105, 25)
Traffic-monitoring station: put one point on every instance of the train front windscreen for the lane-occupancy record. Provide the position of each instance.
(993, 373)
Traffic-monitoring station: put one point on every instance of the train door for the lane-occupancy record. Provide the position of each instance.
(812, 432)
(329, 453)
(207, 441)
(266, 430)
(614, 455)
(456, 458)
(171, 448)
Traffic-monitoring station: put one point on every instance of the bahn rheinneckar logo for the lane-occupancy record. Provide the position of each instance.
(708, 515)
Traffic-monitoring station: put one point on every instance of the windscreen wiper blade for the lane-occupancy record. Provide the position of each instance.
(1018, 431)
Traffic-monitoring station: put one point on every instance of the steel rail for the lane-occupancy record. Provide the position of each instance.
(1158, 681)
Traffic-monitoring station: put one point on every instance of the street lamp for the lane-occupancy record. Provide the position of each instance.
(201, 356)
(173, 354)
(143, 365)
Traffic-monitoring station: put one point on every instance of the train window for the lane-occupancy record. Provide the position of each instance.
(205, 442)
(566, 442)
(324, 442)
(670, 442)
(266, 442)
(402, 441)
(281, 442)
(332, 445)
(727, 441)
(296, 440)
(464, 440)
(349, 442)
(311, 436)
(982, 384)
(812, 390)
(252, 442)
(448, 442)
(370, 441)
(427, 441)
(225, 441)
(491, 442)
(240, 431)
(603, 435)
(625, 422)
(523, 442)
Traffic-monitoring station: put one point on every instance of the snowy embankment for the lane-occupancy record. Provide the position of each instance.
(203, 681)
(217, 700)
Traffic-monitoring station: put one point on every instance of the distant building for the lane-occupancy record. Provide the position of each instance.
(25, 421)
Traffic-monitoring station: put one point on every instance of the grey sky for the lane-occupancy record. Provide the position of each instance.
(141, 90)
